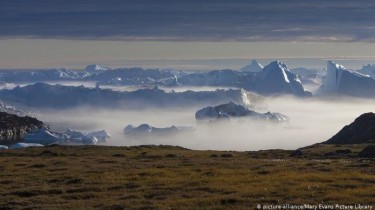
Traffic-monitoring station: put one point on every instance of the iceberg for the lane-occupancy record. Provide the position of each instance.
(368, 70)
(148, 130)
(273, 79)
(341, 81)
(45, 137)
(277, 79)
(93, 69)
(59, 96)
(254, 66)
(94, 137)
(3, 147)
(101, 136)
(24, 145)
(220, 78)
(13, 110)
(39, 75)
(233, 110)
(42, 136)
(134, 76)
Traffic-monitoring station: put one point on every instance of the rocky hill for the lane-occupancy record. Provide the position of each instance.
(12, 125)
(362, 130)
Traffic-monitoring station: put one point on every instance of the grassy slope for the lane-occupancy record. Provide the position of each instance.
(94, 177)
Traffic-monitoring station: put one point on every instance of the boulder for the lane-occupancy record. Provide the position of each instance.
(296, 153)
(367, 152)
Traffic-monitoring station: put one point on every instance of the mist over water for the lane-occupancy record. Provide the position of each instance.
(311, 121)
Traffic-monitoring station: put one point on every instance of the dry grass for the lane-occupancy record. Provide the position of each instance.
(163, 177)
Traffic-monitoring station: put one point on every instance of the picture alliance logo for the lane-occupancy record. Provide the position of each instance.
(316, 207)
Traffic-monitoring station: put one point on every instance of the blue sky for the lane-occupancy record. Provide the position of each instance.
(73, 33)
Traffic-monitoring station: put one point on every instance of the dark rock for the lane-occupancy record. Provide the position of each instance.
(362, 130)
(171, 156)
(118, 155)
(343, 151)
(74, 181)
(368, 152)
(48, 153)
(226, 155)
(12, 126)
(214, 155)
(229, 201)
(338, 153)
(296, 153)
(331, 154)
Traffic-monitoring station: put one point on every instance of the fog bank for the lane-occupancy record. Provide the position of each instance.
(311, 121)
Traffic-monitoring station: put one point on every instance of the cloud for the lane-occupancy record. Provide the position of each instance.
(178, 20)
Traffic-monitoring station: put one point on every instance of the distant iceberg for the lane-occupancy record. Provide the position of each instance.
(341, 81)
(368, 70)
(46, 137)
(42, 136)
(102, 135)
(94, 69)
(276, 78)
(3, 147)
(233, 110)
(254, 66)
(59, 96)
(273, 79)
(73, 136)
(148, 130)
(24, 145)
(40, 75)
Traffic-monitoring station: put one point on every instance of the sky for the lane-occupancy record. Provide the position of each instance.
(182, 34)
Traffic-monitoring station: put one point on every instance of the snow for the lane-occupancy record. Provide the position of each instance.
(24, 145)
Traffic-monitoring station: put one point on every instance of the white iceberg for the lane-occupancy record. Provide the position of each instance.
(24, 145)
(93, 69)
(233, 110)
(254, 66)
(3, 147)
(42, 136)
(147, 130)
(73, 136)
(277, 79)
(101, 136)
(342, 81)
(90, 138)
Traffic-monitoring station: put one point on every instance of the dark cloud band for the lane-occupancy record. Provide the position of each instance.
(193, 20)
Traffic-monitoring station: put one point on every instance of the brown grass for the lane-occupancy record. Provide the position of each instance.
(163, 177)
